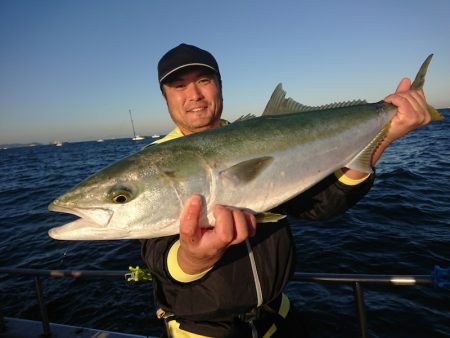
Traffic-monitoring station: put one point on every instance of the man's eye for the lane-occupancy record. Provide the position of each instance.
(205, 80)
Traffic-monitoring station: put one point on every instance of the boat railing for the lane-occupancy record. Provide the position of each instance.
(357, 280)
(439, 277)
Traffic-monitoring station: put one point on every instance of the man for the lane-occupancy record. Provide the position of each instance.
(227, 280)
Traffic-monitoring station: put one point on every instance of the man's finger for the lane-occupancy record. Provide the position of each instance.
(189, 218)
(404, 85)
(251, 223)
(224, 225)
(241, 227)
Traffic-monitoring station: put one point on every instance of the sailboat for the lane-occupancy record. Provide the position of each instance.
(136, 137)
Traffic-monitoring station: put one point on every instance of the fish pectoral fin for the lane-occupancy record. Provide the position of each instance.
(246, 171)
(363, 161)
(268, 217)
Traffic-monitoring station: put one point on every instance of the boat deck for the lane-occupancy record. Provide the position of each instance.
(24, 328)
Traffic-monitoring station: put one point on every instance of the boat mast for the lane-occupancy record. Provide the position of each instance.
(132, 123)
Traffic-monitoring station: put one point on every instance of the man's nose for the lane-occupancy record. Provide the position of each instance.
(194, 92)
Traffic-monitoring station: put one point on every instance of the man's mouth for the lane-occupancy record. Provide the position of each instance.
(197, 109)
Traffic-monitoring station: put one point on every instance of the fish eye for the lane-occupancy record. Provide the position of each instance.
(121, 195)
(121, 198)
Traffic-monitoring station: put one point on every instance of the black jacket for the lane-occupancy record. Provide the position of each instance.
(210, 305)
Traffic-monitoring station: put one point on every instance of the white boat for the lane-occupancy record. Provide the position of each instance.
(136, 137)
(155, 136)
(100, 140)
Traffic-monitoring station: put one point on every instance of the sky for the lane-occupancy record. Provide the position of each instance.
(70, 70)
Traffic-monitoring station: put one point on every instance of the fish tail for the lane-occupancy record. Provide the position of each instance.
(435, 115)
(418, 85)
(420, 77)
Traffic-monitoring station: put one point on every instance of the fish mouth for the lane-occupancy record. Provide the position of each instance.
(91, 220)
(99, 216)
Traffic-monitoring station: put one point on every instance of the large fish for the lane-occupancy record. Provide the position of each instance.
(255, 163)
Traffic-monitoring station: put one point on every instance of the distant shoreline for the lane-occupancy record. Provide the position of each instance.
(33, 144)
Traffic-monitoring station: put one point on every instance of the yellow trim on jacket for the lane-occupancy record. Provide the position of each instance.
(175, 270)
(173, 328)
(170, 136)
(175, 133)
(347, 180)
(283, 312)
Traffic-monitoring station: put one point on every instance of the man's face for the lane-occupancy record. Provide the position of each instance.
(194, 99)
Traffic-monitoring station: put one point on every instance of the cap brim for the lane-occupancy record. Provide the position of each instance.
(184, 66)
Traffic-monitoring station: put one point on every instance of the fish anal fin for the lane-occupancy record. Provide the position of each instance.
(268, 217)
(362, 161)
(244, 172)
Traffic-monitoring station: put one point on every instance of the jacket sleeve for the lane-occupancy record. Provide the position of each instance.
(154, 253)
(326, 199)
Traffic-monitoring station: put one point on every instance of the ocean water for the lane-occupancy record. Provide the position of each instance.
(401, 227)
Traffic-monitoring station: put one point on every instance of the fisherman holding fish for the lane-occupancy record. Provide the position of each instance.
(227, 280)
(195, 198)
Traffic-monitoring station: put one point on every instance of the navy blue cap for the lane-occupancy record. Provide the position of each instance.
(183, 56)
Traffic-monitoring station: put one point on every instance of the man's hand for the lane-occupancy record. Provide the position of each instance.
(412, 113)
(412, 110)
(200, 247)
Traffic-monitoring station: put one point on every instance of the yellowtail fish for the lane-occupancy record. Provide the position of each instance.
(254, 163)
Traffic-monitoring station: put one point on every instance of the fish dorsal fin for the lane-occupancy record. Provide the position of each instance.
(245, 117)
(246, 171)
(280, 105)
